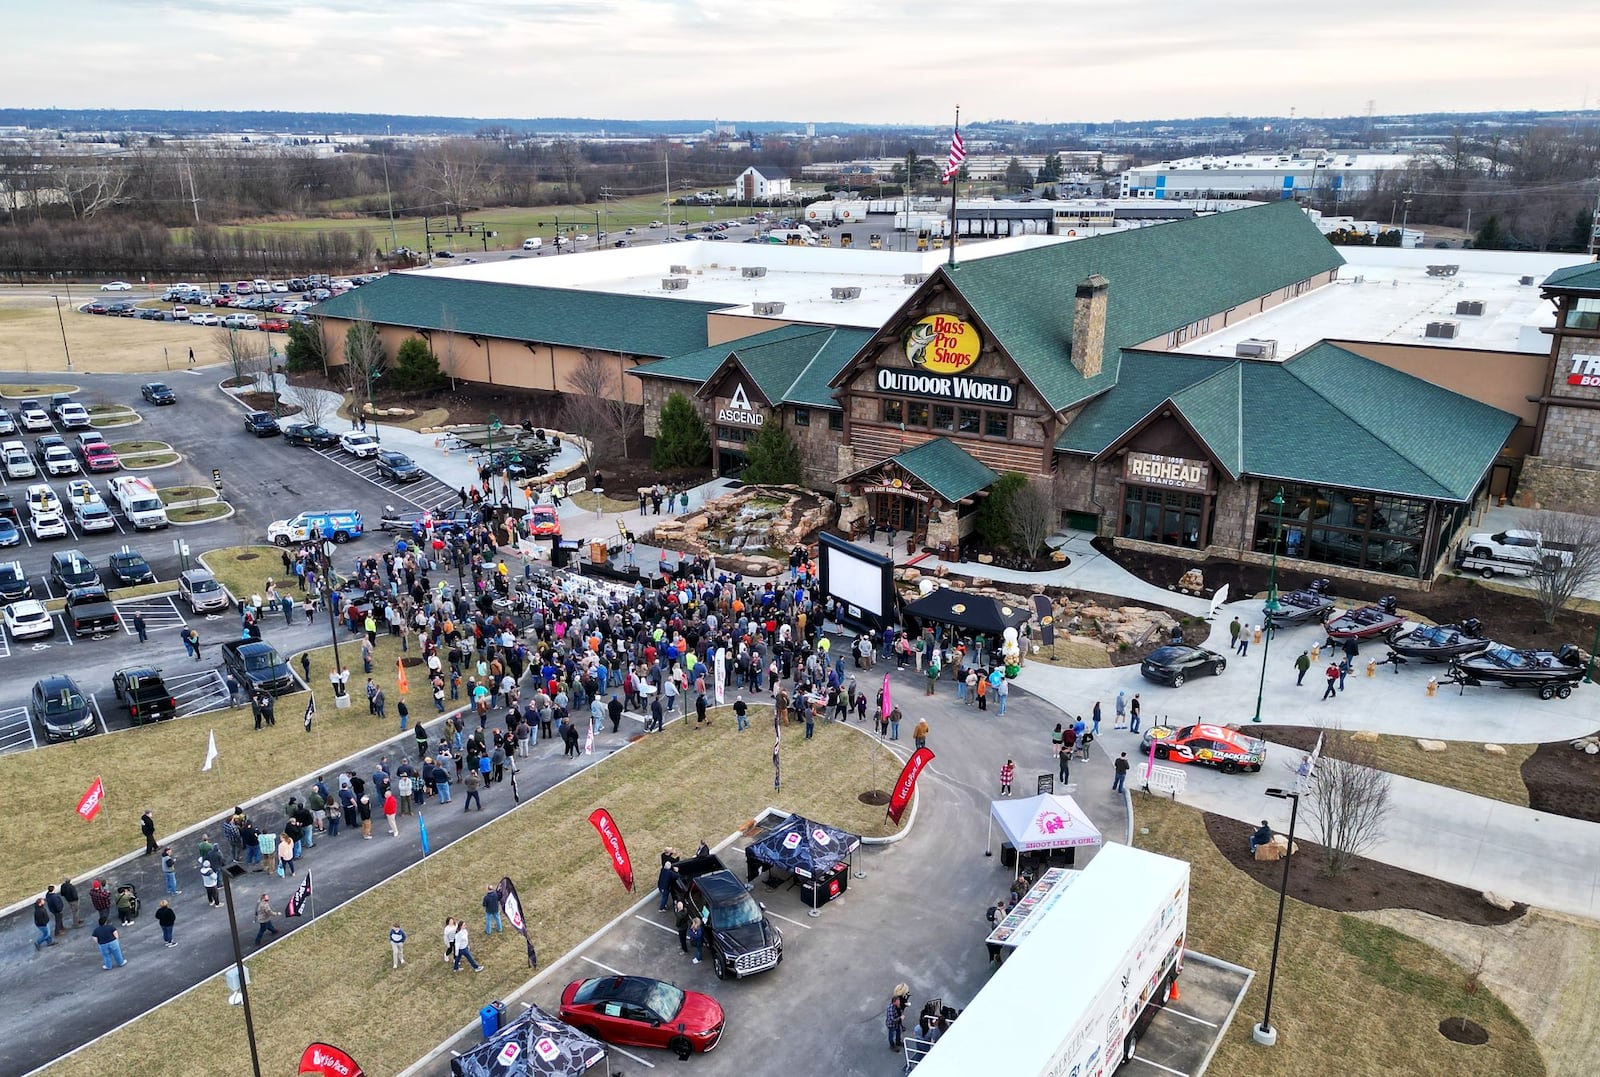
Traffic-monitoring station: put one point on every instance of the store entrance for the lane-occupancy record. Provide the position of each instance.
(1172, 517)
(731, 462)
(900, 512)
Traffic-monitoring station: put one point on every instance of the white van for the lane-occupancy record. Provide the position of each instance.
(532, 244)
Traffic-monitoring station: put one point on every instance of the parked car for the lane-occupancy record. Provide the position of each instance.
(1176, 664)
(205, 318)
(741, 939)
(28, 619)
(69, 569)
(1226, 749)
(58, 459)
(398, 467)
(544, 522)
(47, 524)
(60, 708)
(202, 591)
(89, 611)
(359, 444)
(18, 461)
(158, 392)
(34, 417)
(10, 535)
(116, 286)
(8, 508)
(127, 568)
(94, 308)
(318, 437)
(261, 424)
(42, 497)
(641, 1012)
(143, 691)
(8, 425)
(14, 583)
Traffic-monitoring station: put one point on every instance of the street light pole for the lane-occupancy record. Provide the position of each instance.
(63, 323)
(238, 964)
(333, 619)
(1271, 610)
(1264, 1033)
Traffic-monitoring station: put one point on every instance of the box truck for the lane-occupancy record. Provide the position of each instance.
(1119, 932)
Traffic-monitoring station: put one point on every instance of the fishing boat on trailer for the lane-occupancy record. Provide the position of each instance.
(1368, 622)
(1439, 643)
(1553, 673)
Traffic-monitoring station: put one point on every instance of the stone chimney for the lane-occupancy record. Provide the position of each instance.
(1089, 325)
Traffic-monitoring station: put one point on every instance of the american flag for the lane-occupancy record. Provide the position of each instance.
(958, 156)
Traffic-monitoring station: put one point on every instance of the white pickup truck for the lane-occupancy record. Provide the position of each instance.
(1526, 549)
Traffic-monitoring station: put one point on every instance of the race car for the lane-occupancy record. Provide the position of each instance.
(1226, 749)
(543, 522)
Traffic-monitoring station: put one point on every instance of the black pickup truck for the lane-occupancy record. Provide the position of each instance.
(741, 938)
(90, 612)
(257, 665)
(406, 523)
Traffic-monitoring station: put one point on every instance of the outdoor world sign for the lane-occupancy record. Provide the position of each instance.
(948, 387)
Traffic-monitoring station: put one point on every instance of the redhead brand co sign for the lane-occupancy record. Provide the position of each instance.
(942, 344)
(1148, 469)
(990, 391)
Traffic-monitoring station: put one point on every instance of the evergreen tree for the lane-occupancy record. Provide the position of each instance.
(994, 514)
(681, 440)
(416, 369)
(1492, 237)
(774, 457)
(304, 348)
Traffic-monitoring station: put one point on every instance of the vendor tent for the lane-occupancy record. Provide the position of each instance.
(973, 613)
(534, 1045)
(806, 849)
(1043, 822)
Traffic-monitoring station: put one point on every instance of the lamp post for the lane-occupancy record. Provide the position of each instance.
(1272, 600)
(372, 377)
(1264, 1033)
(238, 964)
(63, 323)
(1588, 671)
(327, 580)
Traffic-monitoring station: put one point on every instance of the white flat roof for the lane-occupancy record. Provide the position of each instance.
(802, 278)
(1384, 295)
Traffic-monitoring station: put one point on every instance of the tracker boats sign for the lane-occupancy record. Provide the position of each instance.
(1585, 370)
(948, 387)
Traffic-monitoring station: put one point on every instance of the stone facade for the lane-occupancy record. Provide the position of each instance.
(1547, 485)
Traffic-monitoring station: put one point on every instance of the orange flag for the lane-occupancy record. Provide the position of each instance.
(400, 680)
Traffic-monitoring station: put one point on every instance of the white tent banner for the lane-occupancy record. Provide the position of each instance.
(1046, 821)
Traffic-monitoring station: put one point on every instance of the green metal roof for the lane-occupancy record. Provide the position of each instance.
(1326, 416)
(789, 364)
(637, 325)
(1162, 278)
(946, 469)
(1585, 277)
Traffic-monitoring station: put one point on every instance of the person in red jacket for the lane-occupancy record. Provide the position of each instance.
(391, 808)
(1007, 772)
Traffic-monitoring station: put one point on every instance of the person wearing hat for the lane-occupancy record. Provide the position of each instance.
(1261, 837)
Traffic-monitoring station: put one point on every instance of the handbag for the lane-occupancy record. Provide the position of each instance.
(280, 871)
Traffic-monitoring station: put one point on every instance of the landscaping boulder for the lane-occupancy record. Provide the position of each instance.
(1498, 902)
(1365, 736)
(1431, 745)
(1495, 749)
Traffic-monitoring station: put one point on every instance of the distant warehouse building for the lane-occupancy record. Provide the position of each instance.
(1306, 174)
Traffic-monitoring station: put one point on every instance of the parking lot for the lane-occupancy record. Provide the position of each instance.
(424, 493)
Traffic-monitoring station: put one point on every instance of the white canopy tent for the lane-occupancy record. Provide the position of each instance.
(1046, 821)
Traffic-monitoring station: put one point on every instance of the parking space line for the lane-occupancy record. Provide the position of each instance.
(653, 923)
(5, 645)
(786, 920)
(1187, 1016)
(15, 722)
(101, 718)
(613, 1047)
(1159, 1066)
(65, 631)
(601, 964)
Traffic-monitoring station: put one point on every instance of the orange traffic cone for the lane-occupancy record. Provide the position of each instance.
(1433, 686)
(1174, 989)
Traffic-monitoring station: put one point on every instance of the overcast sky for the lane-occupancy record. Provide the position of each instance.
(888, 61)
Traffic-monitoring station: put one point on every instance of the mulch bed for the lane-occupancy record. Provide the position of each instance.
(1509, 618)
(264, 402)
(1563, 781)
(1365, 887)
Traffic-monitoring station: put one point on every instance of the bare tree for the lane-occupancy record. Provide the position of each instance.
(447, 351)
(363, 355)
(1034, 515)
(88, 189)
(245, 352)
(455, 170)
(1569, 559)
(597, 407)
(317, 406)
(1348, 798)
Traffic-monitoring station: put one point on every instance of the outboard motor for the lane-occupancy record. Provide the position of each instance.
(1388, 604)
(1472, 627)
(1570, 655)
(1321, 586)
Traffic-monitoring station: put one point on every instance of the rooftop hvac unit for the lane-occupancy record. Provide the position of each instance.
(1442, 330)
(755, 271)
(1525, 281)
(1256, 349)
(1470, 308)
(681, 271)
(674, 284)
(767, 309)
(846, 293)
(914, 279)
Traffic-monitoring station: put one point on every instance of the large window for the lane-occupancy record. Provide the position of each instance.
(802, 416)
(1377, 532)
(894, 411)
(1173, 517)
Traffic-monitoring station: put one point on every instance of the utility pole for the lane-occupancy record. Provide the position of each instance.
(1594, 224)
(194, 196)
(394, 239)
(667, 157)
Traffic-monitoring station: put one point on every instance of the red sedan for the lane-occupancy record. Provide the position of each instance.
(641, 1012)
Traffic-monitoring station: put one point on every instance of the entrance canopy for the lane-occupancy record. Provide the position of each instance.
(804, 848)
(1046, 821)
(975, 613)
(534, 1045)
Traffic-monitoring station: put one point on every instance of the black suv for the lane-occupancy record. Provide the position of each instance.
(14, 583)
(60, 708)
(261, 424)
(158, 392)
(144, 693)
(70, 569)
(741, 939)
(318, 437)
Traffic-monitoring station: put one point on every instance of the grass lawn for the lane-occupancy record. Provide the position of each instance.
(1353, 998)
(117, 418)
(1463, 765)
(138, 590)
(158, 767)
(134, 448)
(172, 495)
(245, 570)
(213, 510)
(386, 1019)
(148, 460)
(98, 410)
(15, 391)
(1072, 654)
(586, 499)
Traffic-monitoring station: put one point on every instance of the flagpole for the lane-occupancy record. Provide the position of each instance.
(953, 184)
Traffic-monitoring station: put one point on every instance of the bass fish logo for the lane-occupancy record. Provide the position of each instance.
(942, 344)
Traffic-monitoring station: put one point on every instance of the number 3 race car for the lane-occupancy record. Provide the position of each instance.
(1226, 749)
